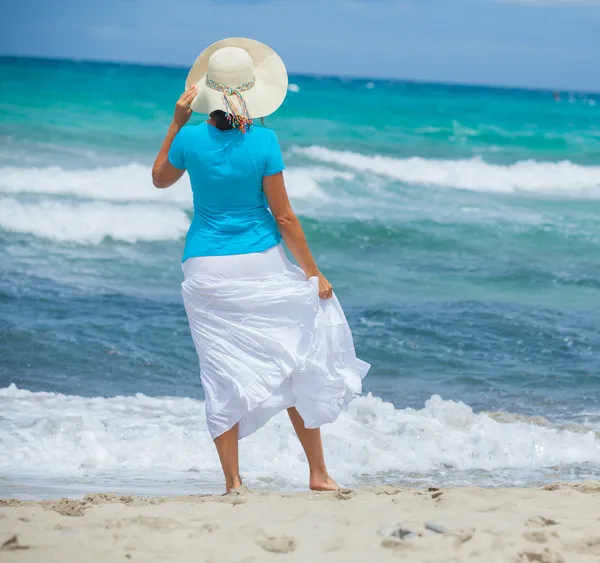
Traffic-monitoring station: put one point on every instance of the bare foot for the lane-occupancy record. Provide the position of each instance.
(322, 483)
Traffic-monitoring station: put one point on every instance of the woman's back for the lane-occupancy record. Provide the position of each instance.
(269, 336)
(226, 170)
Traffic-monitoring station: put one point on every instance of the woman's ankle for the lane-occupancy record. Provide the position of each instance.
(233, 482)
(320, 473)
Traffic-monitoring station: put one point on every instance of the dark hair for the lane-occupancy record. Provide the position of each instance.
(221, 121)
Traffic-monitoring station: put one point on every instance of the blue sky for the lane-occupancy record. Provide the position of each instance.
(533, 43)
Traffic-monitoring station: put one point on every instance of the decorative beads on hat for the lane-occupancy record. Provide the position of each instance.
(235, 105)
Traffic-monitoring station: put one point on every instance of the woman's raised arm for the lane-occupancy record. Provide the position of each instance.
(164, 174)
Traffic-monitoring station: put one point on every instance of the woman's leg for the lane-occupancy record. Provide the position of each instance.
(310, 438)
(227, 448)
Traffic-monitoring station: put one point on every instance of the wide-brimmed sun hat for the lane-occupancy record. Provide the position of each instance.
(243, 77)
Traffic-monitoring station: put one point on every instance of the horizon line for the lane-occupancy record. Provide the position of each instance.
(175, 66)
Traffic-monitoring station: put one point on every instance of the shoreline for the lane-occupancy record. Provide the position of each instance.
(552, 524)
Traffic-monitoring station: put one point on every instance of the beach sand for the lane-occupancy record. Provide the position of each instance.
(556, 523)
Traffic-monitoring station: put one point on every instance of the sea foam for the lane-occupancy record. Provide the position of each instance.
(564, 178)
(47, 435)
(88, 206)
(132, 183)
(92, 223)
(120, 202)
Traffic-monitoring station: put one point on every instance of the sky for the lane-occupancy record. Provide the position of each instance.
(529, 43)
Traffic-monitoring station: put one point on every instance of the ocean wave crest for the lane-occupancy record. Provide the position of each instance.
(563, 178)
(92, 223)
(132, 183)
(120, 202)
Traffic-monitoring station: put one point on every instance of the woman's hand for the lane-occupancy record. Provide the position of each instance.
(325, 289)
(182, 107)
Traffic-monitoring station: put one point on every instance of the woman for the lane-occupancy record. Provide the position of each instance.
(269, 336)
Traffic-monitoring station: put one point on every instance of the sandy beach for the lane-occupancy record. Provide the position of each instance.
(556, 523)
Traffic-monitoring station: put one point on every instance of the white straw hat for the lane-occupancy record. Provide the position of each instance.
(237, 71)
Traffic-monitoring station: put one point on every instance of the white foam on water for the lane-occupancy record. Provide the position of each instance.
(118, 202)
(127, 183)
(305, 183)
(293, 88)
(52, 435)
(552, 178)
(133, 183)
(91, 223)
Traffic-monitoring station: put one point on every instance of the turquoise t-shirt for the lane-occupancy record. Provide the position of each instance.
(226, 169)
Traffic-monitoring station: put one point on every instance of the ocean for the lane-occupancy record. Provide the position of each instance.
(459, 226)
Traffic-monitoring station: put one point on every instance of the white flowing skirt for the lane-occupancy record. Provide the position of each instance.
(266, 342)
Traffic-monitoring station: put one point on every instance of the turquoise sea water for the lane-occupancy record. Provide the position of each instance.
(460, 227)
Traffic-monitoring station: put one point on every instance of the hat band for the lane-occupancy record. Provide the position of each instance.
(229, 89)
(235, 105)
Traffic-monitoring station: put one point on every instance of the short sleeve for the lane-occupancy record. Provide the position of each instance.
(177, 150)
(274, 163)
